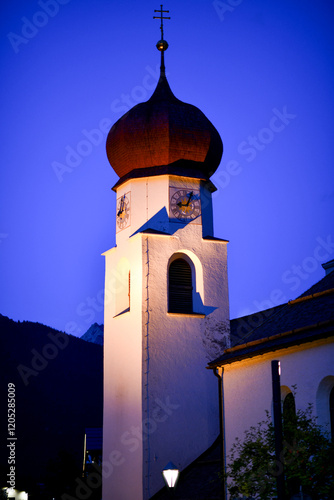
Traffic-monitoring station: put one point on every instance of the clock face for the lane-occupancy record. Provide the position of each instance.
(123, 211)
(185, 204)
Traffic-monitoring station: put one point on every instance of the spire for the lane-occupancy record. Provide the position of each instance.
(162, 45)
(163, 135)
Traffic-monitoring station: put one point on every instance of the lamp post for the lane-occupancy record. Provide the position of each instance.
(276, 385)
(171, 475)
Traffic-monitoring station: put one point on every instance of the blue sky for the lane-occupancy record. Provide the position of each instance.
(261, 71)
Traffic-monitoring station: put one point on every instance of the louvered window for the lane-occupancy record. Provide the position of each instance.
(180, 287)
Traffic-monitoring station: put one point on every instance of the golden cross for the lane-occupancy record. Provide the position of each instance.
(161, 17)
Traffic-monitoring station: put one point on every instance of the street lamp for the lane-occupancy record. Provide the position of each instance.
(171, 474)
(276, 386)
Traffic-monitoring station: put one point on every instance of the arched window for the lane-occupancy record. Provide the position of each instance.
(331, 412)
(325, 404)
(289, 417)
(289, 431)
(180, 296)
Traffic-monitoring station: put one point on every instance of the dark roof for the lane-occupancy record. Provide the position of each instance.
(326, 283)
(328, 266)
(241, 329)
(307, 318)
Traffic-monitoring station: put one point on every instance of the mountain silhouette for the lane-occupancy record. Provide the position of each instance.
(58, 382)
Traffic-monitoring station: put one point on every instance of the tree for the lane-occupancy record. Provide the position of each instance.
(307, 459)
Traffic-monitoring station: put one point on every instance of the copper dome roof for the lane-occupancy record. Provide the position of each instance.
(164, 135)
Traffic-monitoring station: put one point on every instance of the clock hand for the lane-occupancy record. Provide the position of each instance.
(180, 204)
(121, 207)
(190, 196)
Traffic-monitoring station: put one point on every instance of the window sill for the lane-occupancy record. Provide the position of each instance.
(193, 314)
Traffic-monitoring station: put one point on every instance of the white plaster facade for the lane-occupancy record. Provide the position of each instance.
(248, 385)
(160, 403)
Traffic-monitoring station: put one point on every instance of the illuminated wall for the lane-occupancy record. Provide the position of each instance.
(160, 402)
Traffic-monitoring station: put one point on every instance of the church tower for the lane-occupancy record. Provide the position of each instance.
(166, 294)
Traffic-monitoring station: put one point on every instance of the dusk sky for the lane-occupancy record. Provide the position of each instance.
(261, 70)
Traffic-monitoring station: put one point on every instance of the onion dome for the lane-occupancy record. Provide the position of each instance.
(164, 135)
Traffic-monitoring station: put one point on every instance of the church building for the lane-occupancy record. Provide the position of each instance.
(299, 335)
(167, 309)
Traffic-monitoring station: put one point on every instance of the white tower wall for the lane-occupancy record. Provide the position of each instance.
(160, 402)
(181, 404)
